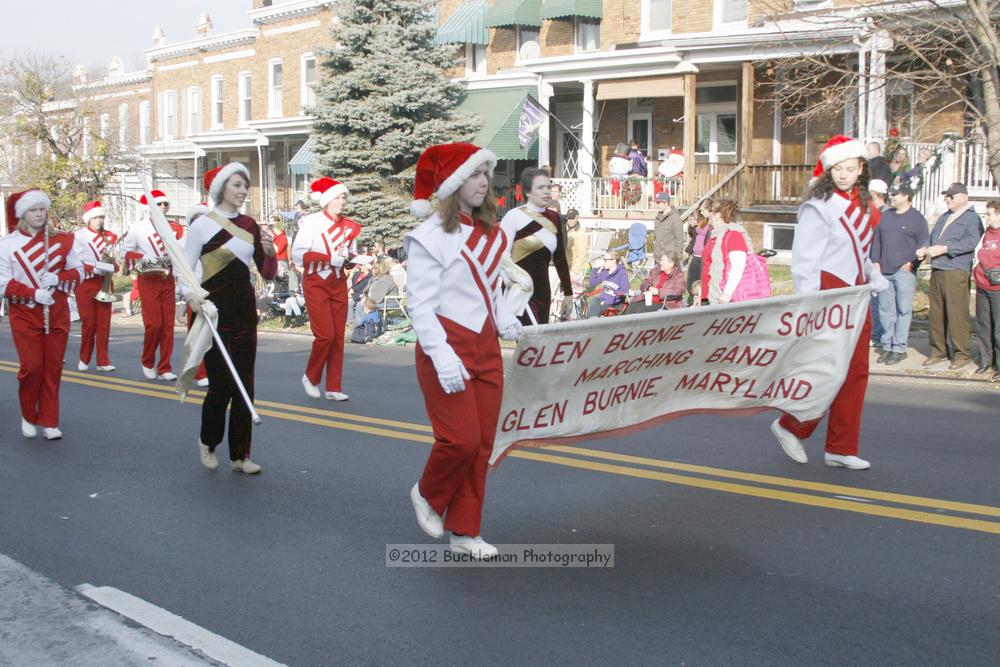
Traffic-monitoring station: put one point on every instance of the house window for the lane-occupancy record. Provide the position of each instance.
(656, 17)
(899, 107)
(217, 102)
(194, 110)
(246, 98)
(169, 114)
(145, 119)
(123, 126)
(275, 106)
(475, 60)
(528, 44)
(588, 35)
(105, 126)
(730, 11)
(308, 81)
(808, 5)
(779, 237)
(86, 137)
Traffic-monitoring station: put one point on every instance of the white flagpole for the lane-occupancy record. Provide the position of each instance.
(186, 275)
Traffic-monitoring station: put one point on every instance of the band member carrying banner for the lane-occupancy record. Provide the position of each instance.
(39, 269)
(196, 211)
(833, 238)
(324, 246)
(226, 242)
(94, 245)
(144, 253)
(538, 240)
(454, 299)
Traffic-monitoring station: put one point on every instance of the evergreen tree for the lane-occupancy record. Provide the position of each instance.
(383, 98)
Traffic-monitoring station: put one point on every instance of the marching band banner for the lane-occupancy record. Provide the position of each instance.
(601, 377)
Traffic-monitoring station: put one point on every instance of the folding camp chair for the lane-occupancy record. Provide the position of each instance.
(636, 257)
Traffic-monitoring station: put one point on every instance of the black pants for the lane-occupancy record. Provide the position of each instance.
(241, 343)
(693, 275)
(988, 327)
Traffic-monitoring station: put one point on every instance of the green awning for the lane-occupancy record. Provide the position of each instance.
(500, 111)
(505, 13)
(563, 9)
(304, 161)
(466, 25)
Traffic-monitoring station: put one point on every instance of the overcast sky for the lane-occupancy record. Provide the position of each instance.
(92, 32)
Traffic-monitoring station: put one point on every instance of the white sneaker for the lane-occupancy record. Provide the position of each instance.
(167, 377)
(51, 433)
(106, 369)
(475, 547)
(149, 373)
(335, 396)
(28, 430)
(245, 466)
(792, 445)
(80, 366)
(427, 518)
(202, 382)
(312, 391)
(208, 457)
(849, 462)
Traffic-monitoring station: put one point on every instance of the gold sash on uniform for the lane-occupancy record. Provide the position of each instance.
(531, 243)
(218, 259)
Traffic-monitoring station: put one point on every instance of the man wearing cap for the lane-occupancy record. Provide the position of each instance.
(156, 291)
(93, 244)
(668, 230)
(901, 231)
(952, 244)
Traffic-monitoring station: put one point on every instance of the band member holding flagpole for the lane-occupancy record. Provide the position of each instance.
(226, 243)
(833, 237)
(38, 271)
(94, 244)
(196, 211)
(143, 252)
(454, 299)
(323, 247)
(538, 240)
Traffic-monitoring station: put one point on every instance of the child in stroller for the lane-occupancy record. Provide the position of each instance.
(286, 302)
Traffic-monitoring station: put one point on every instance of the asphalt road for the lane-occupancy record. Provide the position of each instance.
(726, 552)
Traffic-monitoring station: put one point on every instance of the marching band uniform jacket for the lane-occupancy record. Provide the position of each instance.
(536, 239)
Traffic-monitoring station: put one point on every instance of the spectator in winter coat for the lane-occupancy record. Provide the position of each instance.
(878, 166)
(637, 159)
(668, 230)
(987, 257)
(610, 282)
(662, 288)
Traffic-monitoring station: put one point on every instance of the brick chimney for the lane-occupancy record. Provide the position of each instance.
(261, 4)
(204, 27)
(159, 37)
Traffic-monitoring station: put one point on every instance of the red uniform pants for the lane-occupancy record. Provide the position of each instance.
(41, 359)
(326, 300)
(157, 296)
(844, 428)
(454, 479)
(96, 321)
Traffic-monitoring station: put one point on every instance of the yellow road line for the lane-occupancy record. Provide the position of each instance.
(165, 392)
(772, 494)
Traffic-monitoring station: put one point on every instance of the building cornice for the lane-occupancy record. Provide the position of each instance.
(286, 11)
(112, 81)
(284, 125)
(203, 44)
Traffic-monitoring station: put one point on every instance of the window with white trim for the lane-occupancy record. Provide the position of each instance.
(475, 60)
(275, 76)
(217, 102)
(246, 97)
(86, 137)
(145, 120)
(529, 43)
(105, 126)
(123, 126)
(169, 114)
(308, 69)
(656, 17)
(194, 110)
(779, 236)
(730, 13)
(588, 34)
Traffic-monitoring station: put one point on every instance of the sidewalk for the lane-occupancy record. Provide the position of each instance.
(46, 624)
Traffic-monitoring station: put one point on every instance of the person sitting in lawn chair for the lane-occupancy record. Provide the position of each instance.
(609, 285)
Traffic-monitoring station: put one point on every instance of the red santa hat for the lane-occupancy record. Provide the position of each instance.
(196, 211)
(91, 210)
(325, 190)
(838, 149)
(442, 169)
(20, 203)
(159, 196)
(215, 179)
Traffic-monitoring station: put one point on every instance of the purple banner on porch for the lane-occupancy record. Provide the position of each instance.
(532, 118)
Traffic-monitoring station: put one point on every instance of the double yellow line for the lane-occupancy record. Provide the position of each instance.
(816, 494)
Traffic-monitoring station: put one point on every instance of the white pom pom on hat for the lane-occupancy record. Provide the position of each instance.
(442, 169)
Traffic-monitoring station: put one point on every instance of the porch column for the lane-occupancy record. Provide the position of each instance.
(876, 86)
(545, 92)
(746, 113)
(690, 122)
(586, 152)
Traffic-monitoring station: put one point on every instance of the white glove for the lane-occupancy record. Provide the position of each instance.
(194, 301)
(44, 297)
(453, 377)
(878, 282)
(512, 331)
(48, 279)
